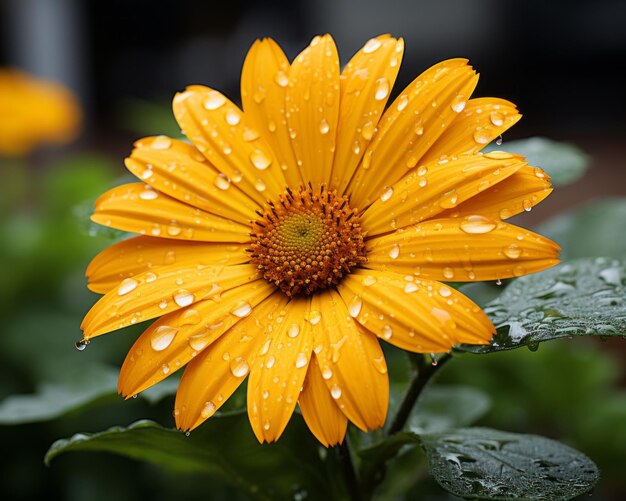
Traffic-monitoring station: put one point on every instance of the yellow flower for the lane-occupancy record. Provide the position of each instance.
(288, 237)
(33, 112)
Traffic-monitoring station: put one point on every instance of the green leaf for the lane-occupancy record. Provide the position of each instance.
(603, 224)
(564, 162)
(489, 464)
(224, 447)
(577, 298)
(52, 400)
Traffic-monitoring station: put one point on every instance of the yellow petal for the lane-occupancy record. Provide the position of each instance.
(351, 361)
(436, 187)
(519, 192)
(423, 317)
(481, 121)
(462, 249)
(183, 173)
(414, 121)
(312, 105)
(137, 255)
(140, 209)
(219, 129)
(264, 79)
(366, 83)
(278, 371)
(174, 339)
(212, 377)
(319, 410)
(163, 290)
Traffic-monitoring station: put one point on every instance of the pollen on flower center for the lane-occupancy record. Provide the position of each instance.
(307, 240)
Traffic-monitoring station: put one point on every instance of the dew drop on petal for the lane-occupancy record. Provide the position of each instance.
(293, 331)
(477, 225)
(82, 344)
(162, 337)
(198, 342)
(355, 306)
(250, 134)
(242, 310)
(527, 204)
(335, 392)
(496, 118)
(221, 181)
(481, 136)
(324, 126)
(380, 365)
(387, 193)
(458, 104)
(183, 298)
(259, 184)
(149, 195)
(161, 143)
(382, 89)
(301, 360)
(327, 373)
(260, 159)
(163, 304)
(368, 130)
(402, 102)
(448, 273)
(281, 78)
(445, 291)
(394, 252)
(372, 45)
(232, 117)
(369, 280)
(239, 367)
(270, 362)
(127, 285)
(207, 409)
(513, 251)
(387, 332)
(314, 317)
(165, 369)
(410, 287)
(213, 100)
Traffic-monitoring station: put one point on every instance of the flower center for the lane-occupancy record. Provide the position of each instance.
(307, 240)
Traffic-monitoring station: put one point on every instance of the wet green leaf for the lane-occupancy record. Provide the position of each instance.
(577, 298)
(489, 464)
(224, 448)
(596, 229)
(564, 162)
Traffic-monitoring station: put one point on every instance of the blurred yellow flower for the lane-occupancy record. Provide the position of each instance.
(289, 237)
(34, 112)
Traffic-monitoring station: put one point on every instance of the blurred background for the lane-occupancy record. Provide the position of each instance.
(561, 62)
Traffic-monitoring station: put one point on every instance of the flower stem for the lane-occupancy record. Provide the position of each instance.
(424, 372)
(349, 473)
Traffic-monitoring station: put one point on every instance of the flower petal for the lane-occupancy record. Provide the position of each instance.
(517, 193)
(278, 371)
(183, 173)
(351, 360)
(312, 104)
(436, 187)
(174, 339)
(264, 79)
(138, 208)
(212, 377)
(366, 82)
(462, 249)
(155, 293)
(481, 121)
(414, 121)
(319, 410)
(137, 255)
(424, 316)
(224, 135)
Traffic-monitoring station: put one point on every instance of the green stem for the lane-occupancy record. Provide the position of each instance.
(349, 473)
(425, 371)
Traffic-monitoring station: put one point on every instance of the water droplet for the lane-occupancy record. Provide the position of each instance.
(239, 367)
(458, 104)
(513, 251)
(496, 118)
(371, 45)
(260, 184)
(173, 230)
(221, 181)
(422, 182)
(527, 204)
(477, 225)
(149, 194)
(293, 331)
(387, 332)
(445, 291)
(207, 409)
(402, 102)
(242, 310)
(127, 285)
(260, 160)
(281, 79)
(82, 344)
(448, 273)
(382, 89)
(355, 306)
(163, 304)
(266, 425)
(449, 200)
(324, 126)
(270, 362)
(147, 174)
(410, 287)
(162, 337)
(183, 298)
(498, 282)
(539, 173)
(499, 141)
(327, 373)
(259, 94)
(335, 392)
(213, 100)
(394, 252)
(150, 277)
(387, 192)
(498, 155)
(301, 360)
(161, 143)
(314, 317)
(265, 347)
(165, 369)
(369, 280)
(367, 131)
(232, 116)
(518, 271)
(250, 134)
(481, 136)
(199, 341)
